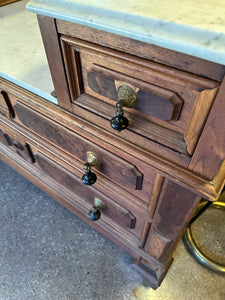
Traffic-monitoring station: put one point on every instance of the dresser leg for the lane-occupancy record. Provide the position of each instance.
(175, 207)
(153, 273)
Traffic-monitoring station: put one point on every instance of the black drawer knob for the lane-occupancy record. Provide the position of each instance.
(127, 98)
(95, 213)
(90, 177)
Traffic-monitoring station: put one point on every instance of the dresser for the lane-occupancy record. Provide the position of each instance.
(137, 136)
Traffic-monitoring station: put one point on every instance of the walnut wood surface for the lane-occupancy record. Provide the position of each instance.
(175, 207)
(118, 170)
(53, 53)
(164, 107)
(166, 97)
(5, 2)
(152, 175)
(158, 54)
(140, 154)
(117, 213)
(210, 151)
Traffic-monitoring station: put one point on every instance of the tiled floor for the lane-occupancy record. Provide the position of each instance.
(48, 253)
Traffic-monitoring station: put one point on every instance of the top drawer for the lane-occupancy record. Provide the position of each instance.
(172, 105)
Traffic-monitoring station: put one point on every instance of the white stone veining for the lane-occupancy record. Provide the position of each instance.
(195, 27)
(22, 55)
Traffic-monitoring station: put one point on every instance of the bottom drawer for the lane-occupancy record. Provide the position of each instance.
(112, 212)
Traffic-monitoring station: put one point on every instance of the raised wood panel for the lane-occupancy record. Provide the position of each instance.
(158, 244)
(174, 209)
(157, 102)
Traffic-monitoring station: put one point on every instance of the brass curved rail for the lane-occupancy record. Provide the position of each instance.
(196, 252)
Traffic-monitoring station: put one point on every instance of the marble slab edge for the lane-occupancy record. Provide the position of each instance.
(205, 44)
(28, 87)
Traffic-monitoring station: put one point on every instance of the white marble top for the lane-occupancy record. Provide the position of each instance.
(195, 27)
(22, 55)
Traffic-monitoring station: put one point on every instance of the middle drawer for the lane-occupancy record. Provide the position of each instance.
(135, 179)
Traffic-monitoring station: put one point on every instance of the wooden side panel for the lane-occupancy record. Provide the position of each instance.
(210, 151)
(198, 118)
(174, 209)
(53, 52)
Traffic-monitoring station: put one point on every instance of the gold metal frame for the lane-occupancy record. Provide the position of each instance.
(196, 252)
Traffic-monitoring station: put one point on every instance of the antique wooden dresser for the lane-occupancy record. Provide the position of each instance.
(137, 137)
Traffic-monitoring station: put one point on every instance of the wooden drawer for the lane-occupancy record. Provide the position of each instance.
(119, 212)
(172, 105)
(128, 218)
(136, 179)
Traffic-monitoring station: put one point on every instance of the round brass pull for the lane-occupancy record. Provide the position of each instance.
(95, 213)
(127, 98)
(89, 177)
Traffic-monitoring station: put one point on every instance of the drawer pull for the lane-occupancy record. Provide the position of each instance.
(127, 98)
(95, 213)
(89, 177)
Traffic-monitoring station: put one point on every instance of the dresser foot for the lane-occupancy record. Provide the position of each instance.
(153, 273)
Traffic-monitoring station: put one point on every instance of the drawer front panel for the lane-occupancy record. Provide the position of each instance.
(117, 213)
(155, 101)
(116, 169)
(172, 105)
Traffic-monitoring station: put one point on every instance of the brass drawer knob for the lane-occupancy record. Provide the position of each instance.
(89, 177)
(127, 98)
(95, 213)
